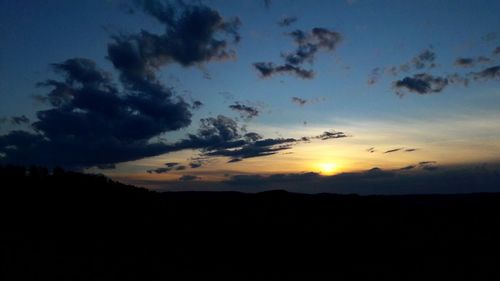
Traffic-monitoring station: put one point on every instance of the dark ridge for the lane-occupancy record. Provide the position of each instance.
(60, 225)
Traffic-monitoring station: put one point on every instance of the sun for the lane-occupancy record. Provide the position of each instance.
(327, 168)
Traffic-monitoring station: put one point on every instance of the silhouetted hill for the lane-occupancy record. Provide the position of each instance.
(70, 226)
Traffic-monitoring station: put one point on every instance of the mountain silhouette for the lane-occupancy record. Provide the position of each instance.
(61, 225)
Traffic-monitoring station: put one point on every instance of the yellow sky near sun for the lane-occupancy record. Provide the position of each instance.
(449, 141)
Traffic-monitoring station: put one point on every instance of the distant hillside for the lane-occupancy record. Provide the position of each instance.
(61, 225)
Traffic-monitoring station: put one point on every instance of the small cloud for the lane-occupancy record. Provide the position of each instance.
(286, 21)
(393, 150)
(299, 101)
(488, 73)
(471, 62)
(197, 104)
(409, 167)
(428, 165)
(246, 112)
(421, 84)
(371, 149)
(331, 135)
(410, 149)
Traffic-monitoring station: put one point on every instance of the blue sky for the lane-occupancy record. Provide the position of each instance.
(375, 34)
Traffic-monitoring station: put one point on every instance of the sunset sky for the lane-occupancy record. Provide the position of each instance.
(252, 95)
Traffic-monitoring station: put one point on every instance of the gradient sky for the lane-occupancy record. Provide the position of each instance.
(407, 86)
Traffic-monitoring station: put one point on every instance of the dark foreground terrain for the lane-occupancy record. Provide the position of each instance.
(69, 226)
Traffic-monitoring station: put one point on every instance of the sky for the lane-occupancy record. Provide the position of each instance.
(355, 96)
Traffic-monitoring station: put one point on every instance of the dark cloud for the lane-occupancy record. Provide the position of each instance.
(371, 149)
(410, 150)
(308, 45)
(428, 165)
(424, 60)
(465, 62)
(286, 21)
(197, 104)
(496, 51)
(19, 120)
(406, 168)
(267, 3)
(195, 164)
(331, 135)
(421, 84)
(246, 112)
(268, 69)
(193, 34)
(168, 167)
(393, 150)
(223, 137)
(299, 101)
(92, 121)
(488, 73)
(471, 62)
(189, 178)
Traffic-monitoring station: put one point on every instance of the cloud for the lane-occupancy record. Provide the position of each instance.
(299, 101)
(406, 168)
(287, 21)
(421, 84)
(471, 62)
(267, 3)
(400, 149)
(428, 165)
(246, 112)
(496, 51)
(93, 121)
(268, 69)
(331, 135)
(393, 150)
(424, 59)
(371, 149)
(168, 167)
(197, 104)
(308, 45)
(488, 73)
(195, 164)
(189, 178)
(375, 75)
(90, 120)
(19, 120)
